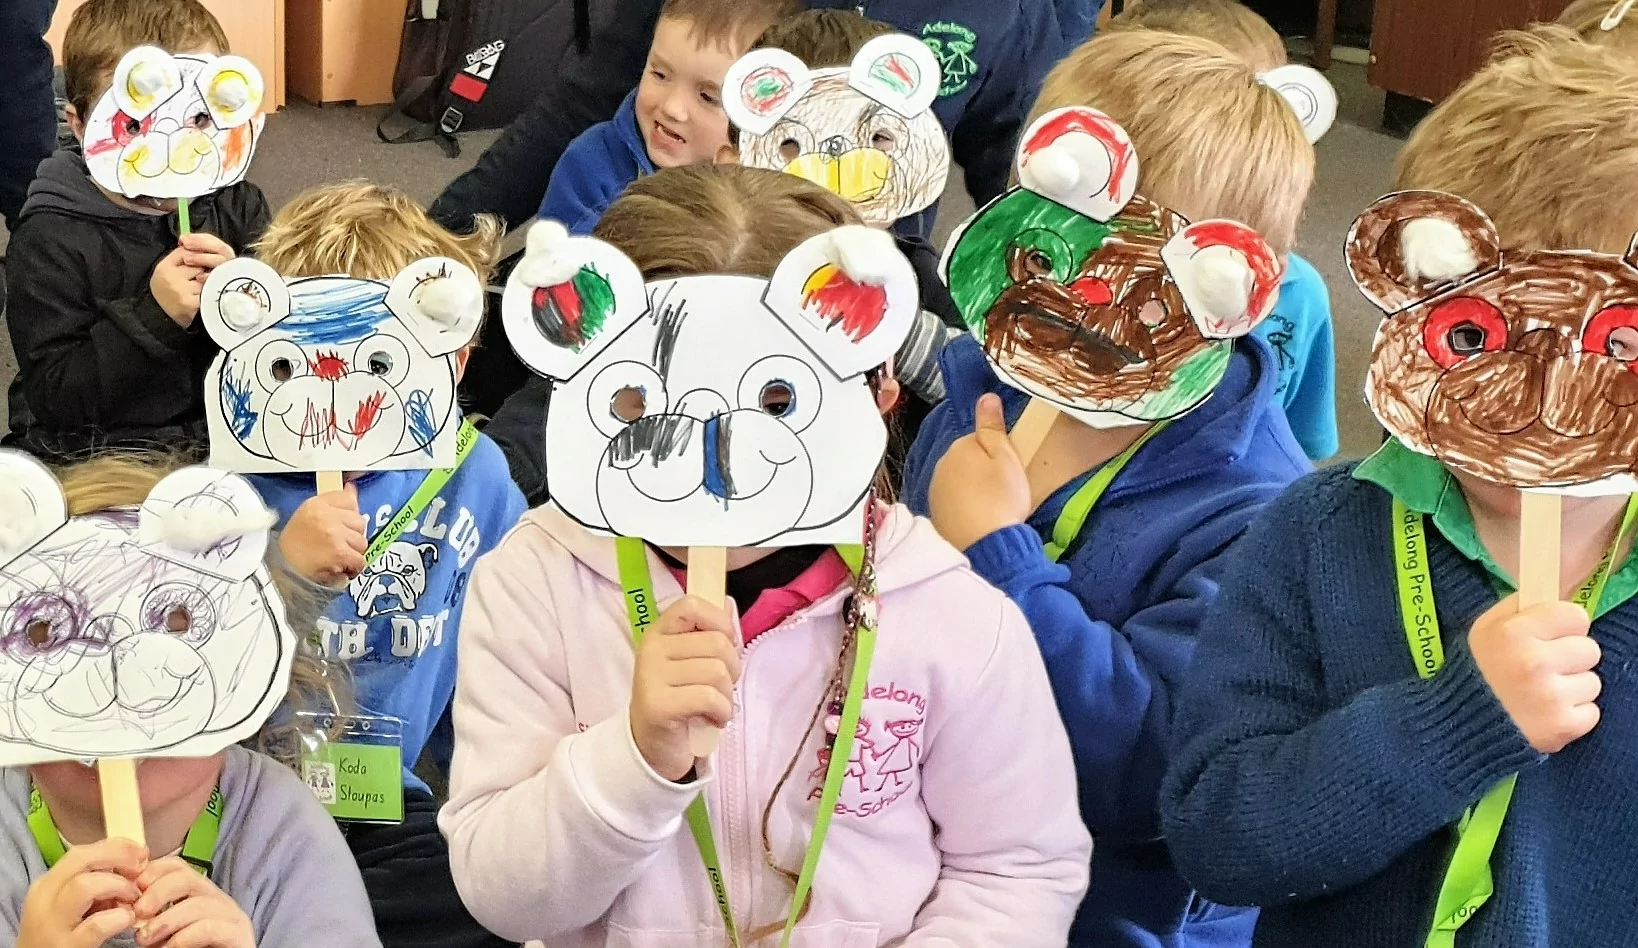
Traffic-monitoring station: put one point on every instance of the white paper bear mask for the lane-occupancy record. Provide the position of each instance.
(336, 373)
(135, 632)
(712, 410)
(174, 126)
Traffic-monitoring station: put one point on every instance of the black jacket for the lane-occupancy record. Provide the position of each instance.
(99, 363)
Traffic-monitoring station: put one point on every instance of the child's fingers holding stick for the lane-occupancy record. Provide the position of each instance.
(205, 251)
(180, 908)
(85, 899)
(686, 669)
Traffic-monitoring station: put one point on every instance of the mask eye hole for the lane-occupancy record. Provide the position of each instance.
(380, 363)
(132, 127)
(783, 388)
(178, 620)
(778, 398)
(181, 610)
(200, 120)
(790, 149)
(281, 369)
(1463, 328)
(1614, 333)
(38, 633)
(628, 404)
(883, 140)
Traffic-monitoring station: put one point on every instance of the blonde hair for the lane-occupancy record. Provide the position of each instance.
(1212, 141)
(1544, 139)
(730, 25)
(718, 219)
(1233, 24)
(368, 231)
(124, 479)
(1586, 17)
(102, 31)
(823, 38)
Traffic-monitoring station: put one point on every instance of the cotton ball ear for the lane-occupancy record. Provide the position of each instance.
(1435, 250)
(231, 94)
(201, 527)
(451, 300)
(1223, 284)
(1052, 170)
(241, 311)
(544, 263)
(146, 79)
(863, 253)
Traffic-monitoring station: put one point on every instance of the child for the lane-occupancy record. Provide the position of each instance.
(674, 117)
(401, 646)
(103, 291)
(565, 812)
(280, 876)
(1317, 772)
(1116, 615)
(1299, 329)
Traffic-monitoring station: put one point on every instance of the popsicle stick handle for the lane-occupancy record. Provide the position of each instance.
(184, 225)
(1540, 533)
(328, 481)
(707, 579)
(121, 802)
(1031, 428)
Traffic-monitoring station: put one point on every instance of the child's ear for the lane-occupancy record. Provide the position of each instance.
(887, 392)
(461, 358)
(1410, 246)
(726, 155)
(76, 124)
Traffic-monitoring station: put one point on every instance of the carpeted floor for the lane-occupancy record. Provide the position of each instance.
(306, 145)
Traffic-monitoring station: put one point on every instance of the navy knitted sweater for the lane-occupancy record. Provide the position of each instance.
(1316, 775)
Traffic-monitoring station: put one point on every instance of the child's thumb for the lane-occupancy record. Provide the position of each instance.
(990, 426)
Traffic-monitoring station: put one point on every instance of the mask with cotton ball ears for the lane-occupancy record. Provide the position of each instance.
(335, 373)
(712, 410)
(1087, 295)
(1519, 367)
(149, 631)
(175, 126)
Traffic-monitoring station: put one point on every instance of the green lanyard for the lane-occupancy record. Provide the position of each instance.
(198, 849)
(1468, 883)
(428, 489)
(641, 610)
(1079, 507)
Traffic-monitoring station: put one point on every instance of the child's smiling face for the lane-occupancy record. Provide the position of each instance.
(679, 100)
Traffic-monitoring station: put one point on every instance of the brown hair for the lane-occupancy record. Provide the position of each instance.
(1233, 24)
(124, 479)
(1544, 139)
(1211, 140)
(730, 25)
(369, 231)
(718, 219)
(1586, 17)
(102, 31)
(823, 38)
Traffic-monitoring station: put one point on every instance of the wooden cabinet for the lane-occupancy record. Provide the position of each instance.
(344, 50)
(1424, 50)
(255, 29)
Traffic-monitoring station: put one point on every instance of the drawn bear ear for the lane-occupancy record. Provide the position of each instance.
(1080, 158)
(144, 79)
(1410, 246)
(567, 299)
(208, 520)
(761, 87)
(899, 71)
(1308, 93)
(1228, 276)
(232, 89)
(849, 295)
(241, 298)
(440, 300)
(31, 504)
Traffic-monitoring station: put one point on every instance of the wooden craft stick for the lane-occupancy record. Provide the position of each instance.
(1540, 532)
(707, 579)
(1031, 428)
(121, 803)
(328, 481)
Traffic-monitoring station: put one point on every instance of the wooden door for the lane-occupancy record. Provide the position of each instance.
(1425, 50)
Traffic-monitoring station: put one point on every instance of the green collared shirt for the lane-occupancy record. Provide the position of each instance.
(1422, 484)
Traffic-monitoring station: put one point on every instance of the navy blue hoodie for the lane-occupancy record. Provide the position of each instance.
(595, 168)
(1116, 617)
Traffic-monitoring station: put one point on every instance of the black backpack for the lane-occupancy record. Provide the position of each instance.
(471, 64)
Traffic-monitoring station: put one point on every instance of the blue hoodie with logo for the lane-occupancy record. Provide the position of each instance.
(1116, 617)
(595, 168)
(396, 624)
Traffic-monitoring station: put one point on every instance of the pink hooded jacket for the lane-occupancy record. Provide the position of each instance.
(957, 823)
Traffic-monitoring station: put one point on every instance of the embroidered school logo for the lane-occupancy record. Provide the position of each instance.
(886, 753)
(953, 44)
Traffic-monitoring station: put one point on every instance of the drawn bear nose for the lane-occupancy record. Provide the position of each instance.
(1544, 344)
(834, 146)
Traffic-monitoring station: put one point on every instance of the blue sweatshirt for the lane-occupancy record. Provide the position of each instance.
(595, 168)
(397, 623)
(1299, 329)
(1316, 774)
(1116, 617)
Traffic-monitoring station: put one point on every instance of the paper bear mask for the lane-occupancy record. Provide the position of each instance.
(334, 373)
(174, 126)
(1088, 295)
(866, 132)
(712, 410)
(1519, 368)
(135, 632)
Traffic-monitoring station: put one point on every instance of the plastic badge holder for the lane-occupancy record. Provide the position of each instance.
(354, 765)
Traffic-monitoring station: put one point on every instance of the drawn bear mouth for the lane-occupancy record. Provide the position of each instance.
(1045, 330)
